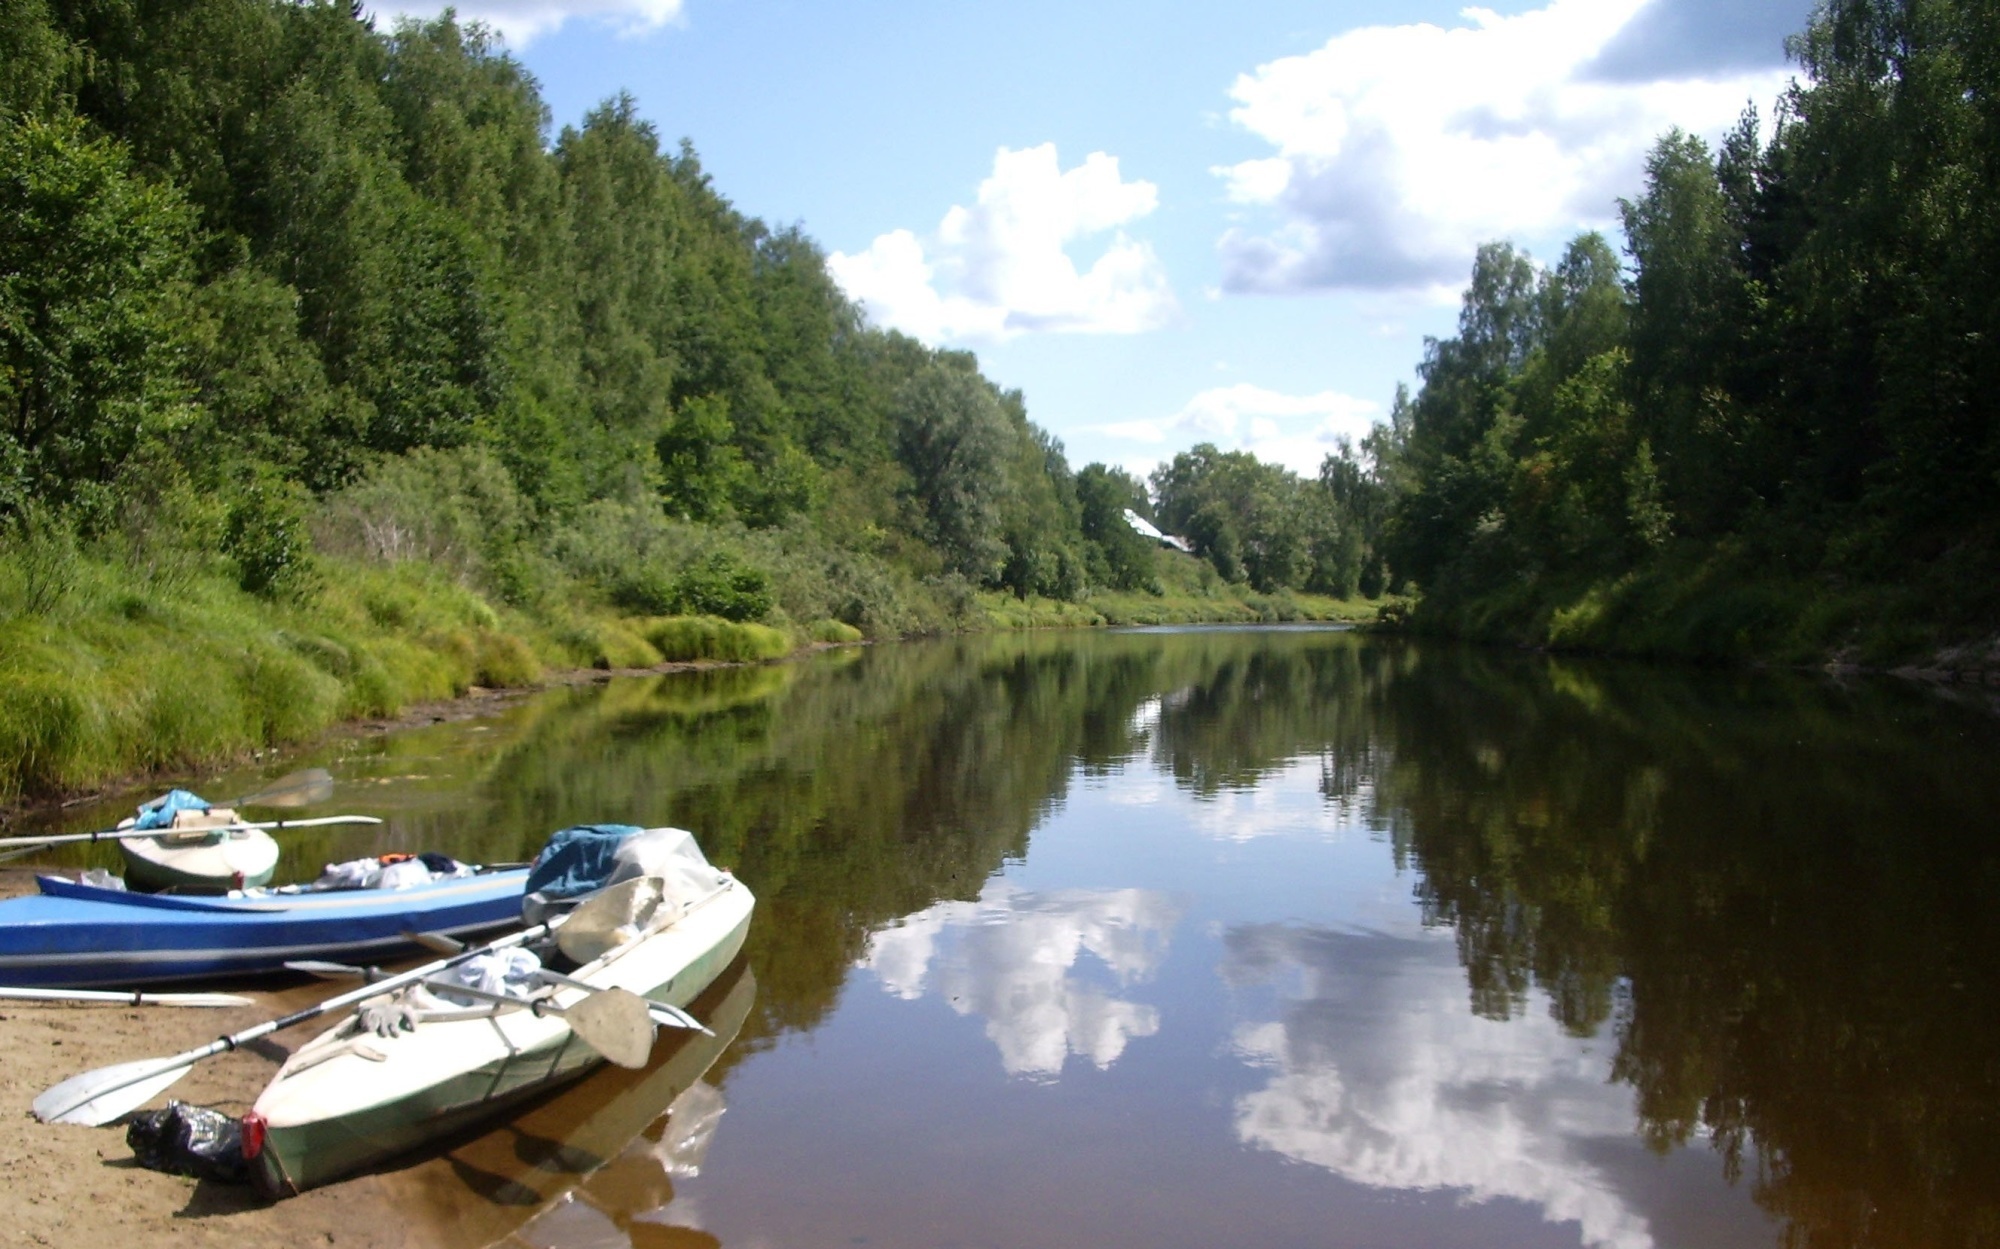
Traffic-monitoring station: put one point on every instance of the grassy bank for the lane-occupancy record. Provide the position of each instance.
(105, 671)
(1736, 603)
(118, 660)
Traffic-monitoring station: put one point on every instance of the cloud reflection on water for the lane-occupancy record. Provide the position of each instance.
(1009, 958)
(1381, 1074)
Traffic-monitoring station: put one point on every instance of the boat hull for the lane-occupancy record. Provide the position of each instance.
(78, 936)
(231, 859)
(353, 1110)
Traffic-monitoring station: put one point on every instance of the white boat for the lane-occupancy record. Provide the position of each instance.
(350, 1097)
(208, 848)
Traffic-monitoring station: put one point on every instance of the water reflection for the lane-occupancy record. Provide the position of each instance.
(1010, 957)
(1530, 919)
(1378, 1074)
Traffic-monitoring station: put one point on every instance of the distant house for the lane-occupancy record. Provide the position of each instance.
(1146, 529)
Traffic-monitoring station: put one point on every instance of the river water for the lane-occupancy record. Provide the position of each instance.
(1267, 937)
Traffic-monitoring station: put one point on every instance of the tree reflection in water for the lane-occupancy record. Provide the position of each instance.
(1775, 892)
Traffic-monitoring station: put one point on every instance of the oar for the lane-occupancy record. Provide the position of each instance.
(124, 999)
(615, 1022)
(294, 789)
(120, 834)
(97, 1097)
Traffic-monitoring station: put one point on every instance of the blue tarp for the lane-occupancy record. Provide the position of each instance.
(577, 860)
(159, 813)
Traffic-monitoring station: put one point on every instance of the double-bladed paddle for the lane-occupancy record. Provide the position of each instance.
(28, 845)
(97, 1097)
(296, 789)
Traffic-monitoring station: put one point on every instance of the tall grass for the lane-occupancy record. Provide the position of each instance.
(141, 649)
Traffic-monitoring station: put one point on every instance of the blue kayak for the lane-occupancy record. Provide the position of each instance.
(74, 935)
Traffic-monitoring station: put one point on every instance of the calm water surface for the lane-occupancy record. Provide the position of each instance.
(1274, 937)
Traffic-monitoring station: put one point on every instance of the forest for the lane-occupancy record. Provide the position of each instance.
(1767, 431)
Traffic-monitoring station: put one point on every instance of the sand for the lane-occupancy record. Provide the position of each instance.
(72, 1186)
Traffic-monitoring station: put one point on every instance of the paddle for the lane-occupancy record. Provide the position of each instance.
(124, 999)
(294, 789)
(97, 1097)
(615, 1022)
(119, 834)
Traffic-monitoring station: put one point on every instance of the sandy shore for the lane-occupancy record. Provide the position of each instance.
(75, 1186)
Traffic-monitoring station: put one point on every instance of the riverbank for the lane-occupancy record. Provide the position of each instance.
(110, 678)
(1728, 606)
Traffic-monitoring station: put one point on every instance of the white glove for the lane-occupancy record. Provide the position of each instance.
(386, 1016)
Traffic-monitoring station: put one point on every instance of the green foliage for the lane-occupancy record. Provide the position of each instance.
(266, 536)
(950, 436)
(90, 313)
(1116, 555)
(1778, 425)
(1253, 521)
(683, 639)
(833, 633)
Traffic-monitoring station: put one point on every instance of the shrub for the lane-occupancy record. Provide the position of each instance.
(266, 535)
(724, 586)
(834, 632)
(682, 639)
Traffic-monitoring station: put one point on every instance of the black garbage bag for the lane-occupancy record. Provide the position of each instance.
(189, 1140)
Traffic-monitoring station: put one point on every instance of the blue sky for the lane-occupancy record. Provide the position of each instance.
(1168, 223)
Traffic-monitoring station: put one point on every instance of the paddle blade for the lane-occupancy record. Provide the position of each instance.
(95, 1098)
(298, 789)
(325, 970)
(609, 918)
(615, 1023)
(675, 1017)
(436, 942)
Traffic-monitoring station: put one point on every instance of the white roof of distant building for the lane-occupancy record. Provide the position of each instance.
(1147, 528)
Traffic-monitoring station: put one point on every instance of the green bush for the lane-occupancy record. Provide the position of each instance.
(724, 586)
(833, 632)
(267, 536)
(682, 639)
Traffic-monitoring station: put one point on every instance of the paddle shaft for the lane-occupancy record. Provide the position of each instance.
(120, 834)
(124, 999)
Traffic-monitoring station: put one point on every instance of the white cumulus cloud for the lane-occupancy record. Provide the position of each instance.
(1011, 957)
(523, 21)
(1297, 431)
(1399, 149)
(1004, 266)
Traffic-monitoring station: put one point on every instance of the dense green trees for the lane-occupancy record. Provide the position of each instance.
(1261, 523)
(249, 241)
(1776, 434)
(95, 275)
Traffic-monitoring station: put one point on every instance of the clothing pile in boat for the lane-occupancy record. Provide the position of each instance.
(389, 871)
(160, 812)
(587, 858)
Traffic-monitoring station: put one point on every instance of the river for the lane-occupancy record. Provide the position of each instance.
(1271, 937)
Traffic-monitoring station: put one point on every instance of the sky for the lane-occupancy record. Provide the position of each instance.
(1168, 223)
